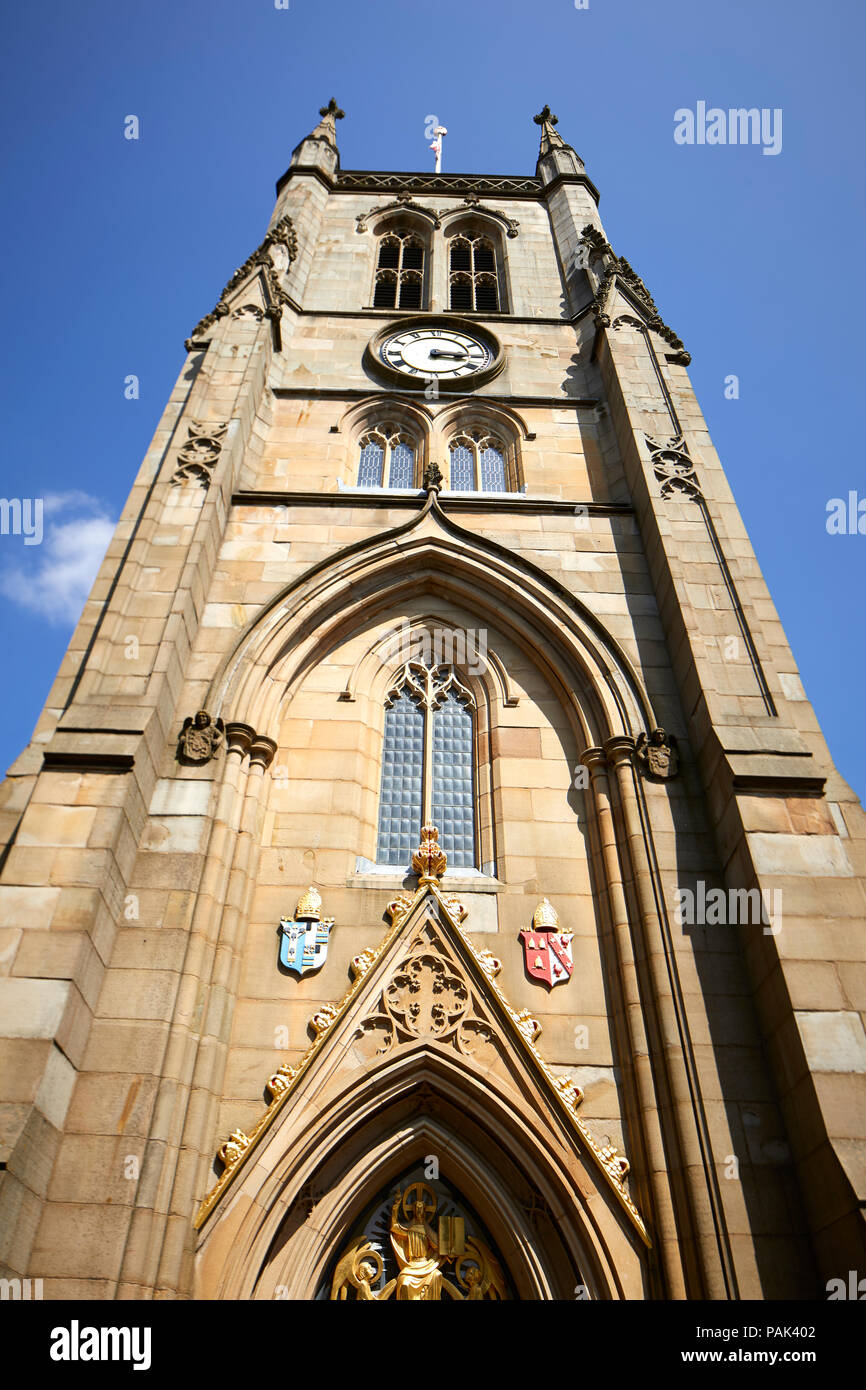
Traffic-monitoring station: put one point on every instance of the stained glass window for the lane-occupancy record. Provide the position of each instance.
(370, 467)
(428, 766)
(402, 471)
(462, 468)
(477, 463)
(492, 469)
(453, 809)
(402, 771)
(386, 441)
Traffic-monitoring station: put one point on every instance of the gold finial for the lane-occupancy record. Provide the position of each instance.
(308, 906)
(429, 860)
(545, 917)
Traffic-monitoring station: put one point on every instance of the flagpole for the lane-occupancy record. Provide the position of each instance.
(439, 132)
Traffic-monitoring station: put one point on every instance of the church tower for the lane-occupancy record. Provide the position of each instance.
(427, 878)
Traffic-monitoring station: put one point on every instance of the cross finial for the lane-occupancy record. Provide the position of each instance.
(546, 117)
(332, 109)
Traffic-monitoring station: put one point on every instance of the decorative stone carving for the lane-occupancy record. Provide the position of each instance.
(657, 755)
(431, 998)
(475, 1040)
(264, 259)
(249, 311)
(618, 269)
(200, 738)
(242, 739)
(629, 321)
(472, 200)
(327, 127)
(375, 182)
(404, 202)
(196, 458)
(674, 468)
(550, 138)
(433, 477)
(426, 998)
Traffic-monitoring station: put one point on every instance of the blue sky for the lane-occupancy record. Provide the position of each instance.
(113, 249)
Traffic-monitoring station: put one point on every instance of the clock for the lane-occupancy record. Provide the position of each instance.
(422, 351)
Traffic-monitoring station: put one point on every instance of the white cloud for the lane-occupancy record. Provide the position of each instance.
(54, 579)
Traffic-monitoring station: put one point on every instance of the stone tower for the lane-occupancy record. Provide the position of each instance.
(427, 877)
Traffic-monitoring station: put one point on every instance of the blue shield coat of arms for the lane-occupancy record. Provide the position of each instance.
(304, 939)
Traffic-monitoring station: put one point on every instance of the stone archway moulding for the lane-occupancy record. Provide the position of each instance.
(369, 1057)
(569, 643)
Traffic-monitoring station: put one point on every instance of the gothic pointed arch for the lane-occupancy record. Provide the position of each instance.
(570, 644)
(422, 1055)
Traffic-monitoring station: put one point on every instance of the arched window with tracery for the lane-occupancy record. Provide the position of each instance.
(473, 276)
(478, 462)
(428, 765)
(387, 457)
(399, 272)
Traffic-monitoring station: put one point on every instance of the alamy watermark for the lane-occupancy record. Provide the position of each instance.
(466, 647)
(716, 907)
(735, 126)
(21, 1289)
(22, 516)
(846, 518)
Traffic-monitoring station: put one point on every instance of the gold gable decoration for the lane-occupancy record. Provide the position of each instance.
(525, 1031)
(429, 860)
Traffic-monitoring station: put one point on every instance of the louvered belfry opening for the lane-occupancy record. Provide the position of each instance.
(473, 280)
(399, 272)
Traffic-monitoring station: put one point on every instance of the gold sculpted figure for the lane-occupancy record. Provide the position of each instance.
(360, 1266)
(417, 1248)
(483, 1278)
(421, 1253)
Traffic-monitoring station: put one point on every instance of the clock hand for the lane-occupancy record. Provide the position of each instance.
(441, 352)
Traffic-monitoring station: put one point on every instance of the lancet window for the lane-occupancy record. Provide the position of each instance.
(428, 765)
(477, 462)
(387, 457)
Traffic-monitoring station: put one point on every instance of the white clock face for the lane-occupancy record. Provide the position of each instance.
(443, 353)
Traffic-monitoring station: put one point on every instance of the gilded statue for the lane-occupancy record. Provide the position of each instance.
(416, 1246)
(359, 1268)
(421, 1252)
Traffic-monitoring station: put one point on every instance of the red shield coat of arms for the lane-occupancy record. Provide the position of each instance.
(546, 948)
